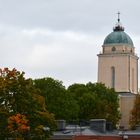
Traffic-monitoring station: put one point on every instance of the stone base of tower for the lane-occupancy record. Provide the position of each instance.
(126, 102)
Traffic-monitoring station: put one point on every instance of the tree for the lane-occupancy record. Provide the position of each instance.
(15, 91)
(135, 113)
(108, 102)
(96, 101)
(18, 125)
(79, 101)
(19, 96)
(57, 100)
(77, 90)
(88, 105)
(80, 93)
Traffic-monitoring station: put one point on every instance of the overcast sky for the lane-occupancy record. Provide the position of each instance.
(61, 38)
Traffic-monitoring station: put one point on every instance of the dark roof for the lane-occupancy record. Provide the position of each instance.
(126, 94)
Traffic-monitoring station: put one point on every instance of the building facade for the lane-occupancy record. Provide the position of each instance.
(118, 68)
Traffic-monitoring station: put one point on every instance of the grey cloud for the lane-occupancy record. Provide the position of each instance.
(86, 15)
(61, 38)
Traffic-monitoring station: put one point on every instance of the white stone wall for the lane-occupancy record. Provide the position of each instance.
(126, 105)
(126, 71)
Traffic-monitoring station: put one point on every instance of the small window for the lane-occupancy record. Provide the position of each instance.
(103, 49)
(133, 79)
(113, 77)
(113, 49)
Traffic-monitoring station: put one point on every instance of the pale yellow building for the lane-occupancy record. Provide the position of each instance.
(118, 69)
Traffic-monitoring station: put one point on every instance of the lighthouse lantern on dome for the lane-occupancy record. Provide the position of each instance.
(118, 26)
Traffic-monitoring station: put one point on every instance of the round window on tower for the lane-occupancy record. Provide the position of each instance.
(113, 49)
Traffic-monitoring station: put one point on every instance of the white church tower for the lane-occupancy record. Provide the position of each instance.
(118, 68)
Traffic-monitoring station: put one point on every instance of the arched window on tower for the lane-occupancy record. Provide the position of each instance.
(132, 79)
(113, 49)
(113, 77)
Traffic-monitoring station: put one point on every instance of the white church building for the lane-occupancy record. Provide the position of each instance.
(118, 69)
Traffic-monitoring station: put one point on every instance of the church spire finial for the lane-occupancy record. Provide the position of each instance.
(118, 26)
(118, 16)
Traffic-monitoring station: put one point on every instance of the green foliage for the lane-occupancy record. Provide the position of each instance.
(96, 101)
(18, 95)
(87, 104)
(3, 122)
(15, 92)
(135, 113)
(57, 100)
(79, 101)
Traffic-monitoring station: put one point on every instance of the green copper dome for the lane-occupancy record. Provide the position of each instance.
(118, 37)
